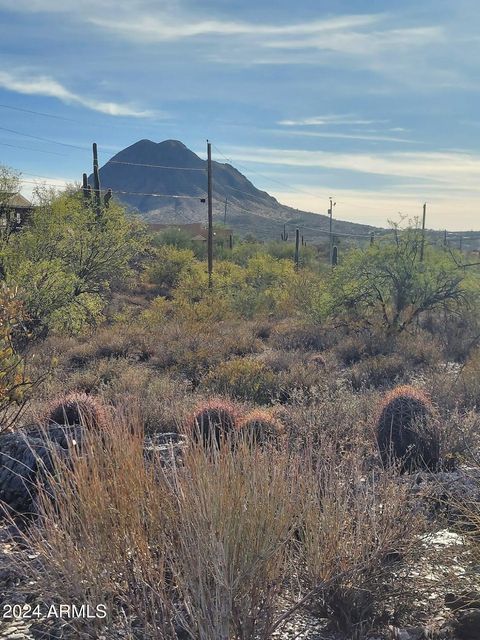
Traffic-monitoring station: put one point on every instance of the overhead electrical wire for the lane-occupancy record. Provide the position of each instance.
(16, 146)
(58, 182)
(156, 166)
(200, 197)
(29, 135)
(37, 113)
(159, 195)
(294, 226)
(283, 184)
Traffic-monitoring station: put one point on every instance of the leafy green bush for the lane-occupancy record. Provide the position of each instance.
(66, 260)
(243, 378)
(168, 265)
(388, 283)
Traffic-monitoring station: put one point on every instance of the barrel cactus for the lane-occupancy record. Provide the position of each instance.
(406, 429)
(77, 409)
(213, 421)
(261, 427)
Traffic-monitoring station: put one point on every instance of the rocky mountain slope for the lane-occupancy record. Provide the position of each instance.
(166, 182)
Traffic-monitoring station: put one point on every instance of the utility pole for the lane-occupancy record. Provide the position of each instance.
(96, 182)
(445, 239)
(225, 213)
(210, 215)
(297, 243)
(422, 246)
(330, 211)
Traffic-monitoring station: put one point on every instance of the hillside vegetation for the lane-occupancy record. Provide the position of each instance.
(315, 416)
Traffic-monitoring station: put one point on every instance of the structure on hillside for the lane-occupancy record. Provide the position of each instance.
(15, 210)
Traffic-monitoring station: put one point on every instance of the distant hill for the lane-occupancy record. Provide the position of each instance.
(171, 169)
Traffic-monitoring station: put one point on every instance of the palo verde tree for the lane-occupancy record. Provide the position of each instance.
(388, 282)
(66, 260)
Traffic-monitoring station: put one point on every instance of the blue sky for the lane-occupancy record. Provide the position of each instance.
(376, 104)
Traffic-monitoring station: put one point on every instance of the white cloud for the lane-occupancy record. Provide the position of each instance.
(377, 207)
(365, 43)
(30, 84)
(335, 119)
(453, 168)
(448, 181)
(30, 182)
(342, 136)
(165, 27)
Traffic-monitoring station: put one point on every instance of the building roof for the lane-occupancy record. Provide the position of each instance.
(18, 201)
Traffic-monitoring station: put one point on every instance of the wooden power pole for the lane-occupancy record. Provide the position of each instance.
(210, 215)
(330, 211)
(297, 245)
(422, 246)
(96, 182)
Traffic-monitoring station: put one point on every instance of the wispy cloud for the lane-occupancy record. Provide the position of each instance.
(378, 207)
(332, 119)
(342, 136)
(166, 27)
(367, 42)
(453, 169)
(30, 84)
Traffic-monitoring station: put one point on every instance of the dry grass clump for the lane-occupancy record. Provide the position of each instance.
(318, 360)
(406, 429)
(295, 335)
(332, 415)
(201, 549)
(164, 402)
(237, 515)
(190, 349)
(227, 543)
(360, 538)
(378, 371)
(350, 350)
(102, 539)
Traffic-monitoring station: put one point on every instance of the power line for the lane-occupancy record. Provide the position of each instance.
(158, 195)
(16, 146)
(155, 166)
(37, 113)
(294, 225)
(131, 193)
(283, 184)
(28, 135)
(57, 180)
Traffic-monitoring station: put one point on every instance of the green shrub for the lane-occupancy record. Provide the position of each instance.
(243, 378)
(168, 266)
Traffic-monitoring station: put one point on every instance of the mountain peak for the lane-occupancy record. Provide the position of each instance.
(166, 181)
